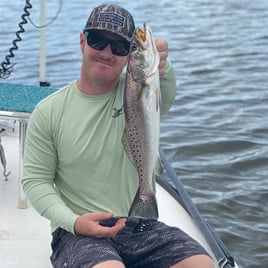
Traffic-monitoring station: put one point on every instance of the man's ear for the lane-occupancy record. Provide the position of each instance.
(82, 42)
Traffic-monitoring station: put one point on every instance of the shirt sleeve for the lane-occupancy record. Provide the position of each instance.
(168, 88)
(39, 169)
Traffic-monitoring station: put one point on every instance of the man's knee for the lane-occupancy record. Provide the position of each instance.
(110, 264)
(200, 261)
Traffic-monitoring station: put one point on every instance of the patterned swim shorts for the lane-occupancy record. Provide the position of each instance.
(142, 243)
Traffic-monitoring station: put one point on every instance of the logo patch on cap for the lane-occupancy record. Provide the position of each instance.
(110, 17)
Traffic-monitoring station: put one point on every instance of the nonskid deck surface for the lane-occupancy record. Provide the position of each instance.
(24, 235)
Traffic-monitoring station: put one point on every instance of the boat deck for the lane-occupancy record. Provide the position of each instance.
(24, 235)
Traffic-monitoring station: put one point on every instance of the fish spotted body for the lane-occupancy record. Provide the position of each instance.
(142, 119)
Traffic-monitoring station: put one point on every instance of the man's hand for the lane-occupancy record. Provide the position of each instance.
(162, 47)
(89, 224)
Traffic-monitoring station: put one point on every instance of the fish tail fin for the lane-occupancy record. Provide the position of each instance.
(144, 206)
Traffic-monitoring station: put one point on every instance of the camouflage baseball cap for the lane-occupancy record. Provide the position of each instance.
(111, 18)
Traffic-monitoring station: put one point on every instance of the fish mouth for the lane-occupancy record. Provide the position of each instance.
(143, 36)
(142, 33)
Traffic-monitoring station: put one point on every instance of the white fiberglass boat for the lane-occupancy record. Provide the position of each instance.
(25, 236)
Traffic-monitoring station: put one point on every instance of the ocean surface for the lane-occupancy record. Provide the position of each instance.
(216, 133)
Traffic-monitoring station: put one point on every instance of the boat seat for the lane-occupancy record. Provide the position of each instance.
(17, 102)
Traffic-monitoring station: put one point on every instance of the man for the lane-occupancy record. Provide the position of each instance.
(76, 172)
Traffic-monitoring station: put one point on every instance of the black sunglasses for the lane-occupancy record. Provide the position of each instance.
(99, 42)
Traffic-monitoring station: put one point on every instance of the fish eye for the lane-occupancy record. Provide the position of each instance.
(134, 47)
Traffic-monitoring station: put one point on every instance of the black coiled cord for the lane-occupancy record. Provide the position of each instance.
(6, 66)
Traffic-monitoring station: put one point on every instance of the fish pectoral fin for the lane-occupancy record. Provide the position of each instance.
(158, 169)
(144, 206)
(143, 91)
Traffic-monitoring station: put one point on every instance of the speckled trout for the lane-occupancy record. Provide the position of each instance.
(142, 115)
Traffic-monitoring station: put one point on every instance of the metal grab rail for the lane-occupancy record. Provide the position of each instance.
(3, 157)
(22, 118)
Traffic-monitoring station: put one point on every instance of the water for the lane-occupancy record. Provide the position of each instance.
(216, 134)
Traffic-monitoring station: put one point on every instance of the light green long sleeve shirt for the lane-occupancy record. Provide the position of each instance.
(74, 161)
